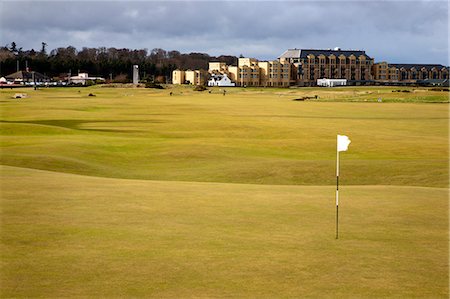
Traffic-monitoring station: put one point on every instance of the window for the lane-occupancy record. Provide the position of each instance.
(404, 75)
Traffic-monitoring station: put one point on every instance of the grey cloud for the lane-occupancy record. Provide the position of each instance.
(401, 30)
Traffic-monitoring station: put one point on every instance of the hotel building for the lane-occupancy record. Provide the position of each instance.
(353, 65)
(304, 67)
(384, 72)
(251, 72)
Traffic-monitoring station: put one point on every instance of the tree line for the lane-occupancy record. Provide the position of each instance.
(113, 64)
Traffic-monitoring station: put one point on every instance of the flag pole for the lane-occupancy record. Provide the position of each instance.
(337, 192)
(342, 145)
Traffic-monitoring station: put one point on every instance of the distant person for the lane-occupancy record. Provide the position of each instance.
(170, 93)
(224, 92)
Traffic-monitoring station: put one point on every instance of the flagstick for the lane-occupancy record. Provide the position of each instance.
(337, 194)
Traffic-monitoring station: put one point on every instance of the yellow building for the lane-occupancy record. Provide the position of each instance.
(383, 72)
(248, 72)
(409, 73)
(275, 73)
(304, 67)
(178, 77)
(251, 72)
(217, 67)
(352, 65)
(233, 73)
(196, 77)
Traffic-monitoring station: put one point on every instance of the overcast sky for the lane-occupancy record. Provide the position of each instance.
(394, 31)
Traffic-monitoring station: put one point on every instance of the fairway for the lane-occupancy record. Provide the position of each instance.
(136, 193)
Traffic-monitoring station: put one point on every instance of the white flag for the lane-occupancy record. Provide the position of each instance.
(342, 143)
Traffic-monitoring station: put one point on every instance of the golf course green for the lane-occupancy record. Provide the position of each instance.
(135, 192)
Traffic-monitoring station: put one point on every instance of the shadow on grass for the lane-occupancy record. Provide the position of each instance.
(76, 124)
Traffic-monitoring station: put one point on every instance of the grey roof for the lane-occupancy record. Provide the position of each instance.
(26, 76)
(316, 52)
(217, 76)
(436, 82)
(291, 53)
(416, 66)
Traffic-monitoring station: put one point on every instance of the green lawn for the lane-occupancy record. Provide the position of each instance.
(248, 136)
(65, 235)
(135, 193)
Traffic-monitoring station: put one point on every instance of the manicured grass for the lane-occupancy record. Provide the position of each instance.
(136, 193)
(248, 136)
(65, 235)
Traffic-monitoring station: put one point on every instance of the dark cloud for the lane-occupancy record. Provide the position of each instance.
(400, 31)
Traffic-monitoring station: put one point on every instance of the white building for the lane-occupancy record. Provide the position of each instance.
(83, 78)
(331, 82)
(220, 80)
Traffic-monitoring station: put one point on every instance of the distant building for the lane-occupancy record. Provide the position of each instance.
(24, 77)
(178, 77)
(291, 55)
(331, 82)
(196, 77)
(308, 67)
(384, 72)
(251, 72)
(83, 78)
(220, 80)
(217, 67)
(353, 65)
(434, 82)
(192, 77)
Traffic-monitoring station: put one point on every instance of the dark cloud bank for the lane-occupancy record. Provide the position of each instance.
(395, 31)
